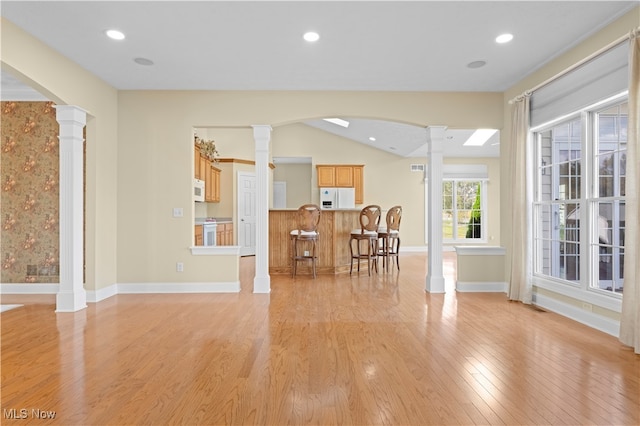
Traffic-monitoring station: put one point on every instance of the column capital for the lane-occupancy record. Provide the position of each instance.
(436, 132)
(71, 113)
(435, 138)
(262, 136)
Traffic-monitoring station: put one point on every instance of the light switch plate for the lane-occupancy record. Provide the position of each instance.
(178, 212)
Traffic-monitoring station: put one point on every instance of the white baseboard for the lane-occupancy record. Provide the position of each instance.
(481, 287)
(29, 288)
(413, 249)
(217, 287)
(588, 318)
(95, 296)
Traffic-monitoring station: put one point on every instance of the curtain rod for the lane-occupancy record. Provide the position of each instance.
(609, 46)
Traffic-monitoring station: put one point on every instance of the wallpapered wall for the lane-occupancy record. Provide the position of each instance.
(29, 202)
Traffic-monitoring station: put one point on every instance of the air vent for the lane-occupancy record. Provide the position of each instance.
(417, 167)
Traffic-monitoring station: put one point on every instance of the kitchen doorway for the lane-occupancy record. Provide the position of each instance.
(247, 213)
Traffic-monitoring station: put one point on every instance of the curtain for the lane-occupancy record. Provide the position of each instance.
(520, 288)
(630, 318)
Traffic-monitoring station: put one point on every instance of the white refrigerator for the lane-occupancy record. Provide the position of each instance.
(337, 198)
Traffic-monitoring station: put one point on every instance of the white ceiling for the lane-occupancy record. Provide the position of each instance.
(364, 45)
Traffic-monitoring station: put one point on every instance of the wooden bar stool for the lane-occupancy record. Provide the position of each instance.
(368, 232)
(389, 238)
(307, 233)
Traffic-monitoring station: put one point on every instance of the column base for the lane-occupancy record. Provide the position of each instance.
(435, 284)
(262, 284)
(71, 302)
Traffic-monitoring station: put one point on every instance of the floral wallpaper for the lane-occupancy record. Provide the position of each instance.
(29, 173)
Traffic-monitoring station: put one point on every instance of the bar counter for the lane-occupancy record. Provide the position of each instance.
(333, 245)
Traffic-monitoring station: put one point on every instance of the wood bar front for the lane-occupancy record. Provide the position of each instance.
(333, 246)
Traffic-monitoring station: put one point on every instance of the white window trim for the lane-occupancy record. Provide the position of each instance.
(581, 290)
(483, 211)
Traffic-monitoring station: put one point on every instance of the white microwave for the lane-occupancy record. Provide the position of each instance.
(198, 190)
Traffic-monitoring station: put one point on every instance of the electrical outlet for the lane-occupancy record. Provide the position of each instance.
(178, 212)
(179, 267)
(587, 306)
(306, 252)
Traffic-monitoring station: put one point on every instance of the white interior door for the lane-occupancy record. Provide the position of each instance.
(279, 195)
(247, 213)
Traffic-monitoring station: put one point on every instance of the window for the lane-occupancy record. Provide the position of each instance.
(463, 211)
(608, 201)
(579, 199)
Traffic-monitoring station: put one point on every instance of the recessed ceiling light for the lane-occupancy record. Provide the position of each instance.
(480, 137)
(311, 36)
(476, 64)
(143, 61)
(372, 139)
(115, 34)
(338, 121)
(504, 38)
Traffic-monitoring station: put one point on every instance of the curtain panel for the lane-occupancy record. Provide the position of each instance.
(630, 317)
(520, 287)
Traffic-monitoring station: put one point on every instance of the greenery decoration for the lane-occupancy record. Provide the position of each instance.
(208, 149)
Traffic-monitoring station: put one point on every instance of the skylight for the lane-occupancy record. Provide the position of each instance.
(480, 137)
(338, 121)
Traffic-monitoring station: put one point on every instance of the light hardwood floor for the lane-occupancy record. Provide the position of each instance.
(337, 350)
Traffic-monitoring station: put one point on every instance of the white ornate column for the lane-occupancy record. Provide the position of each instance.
(435, 274)
(71, 295)
(262, 280)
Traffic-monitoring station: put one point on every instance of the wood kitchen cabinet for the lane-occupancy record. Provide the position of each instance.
(199, 236)
(224, 234)
(204, 170)
(212, 184)
(330, 176)
(358, 183)
(326, 176)
(196, 166)
(342, 176)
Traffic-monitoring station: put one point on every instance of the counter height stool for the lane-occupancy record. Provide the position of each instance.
(368, 232)
(389, 238)
(307, 232)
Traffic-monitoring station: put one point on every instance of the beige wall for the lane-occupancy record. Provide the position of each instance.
(299, 181)
(66, 83)
(155, 130)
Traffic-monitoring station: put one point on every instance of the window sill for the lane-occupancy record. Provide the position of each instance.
(613, 302)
